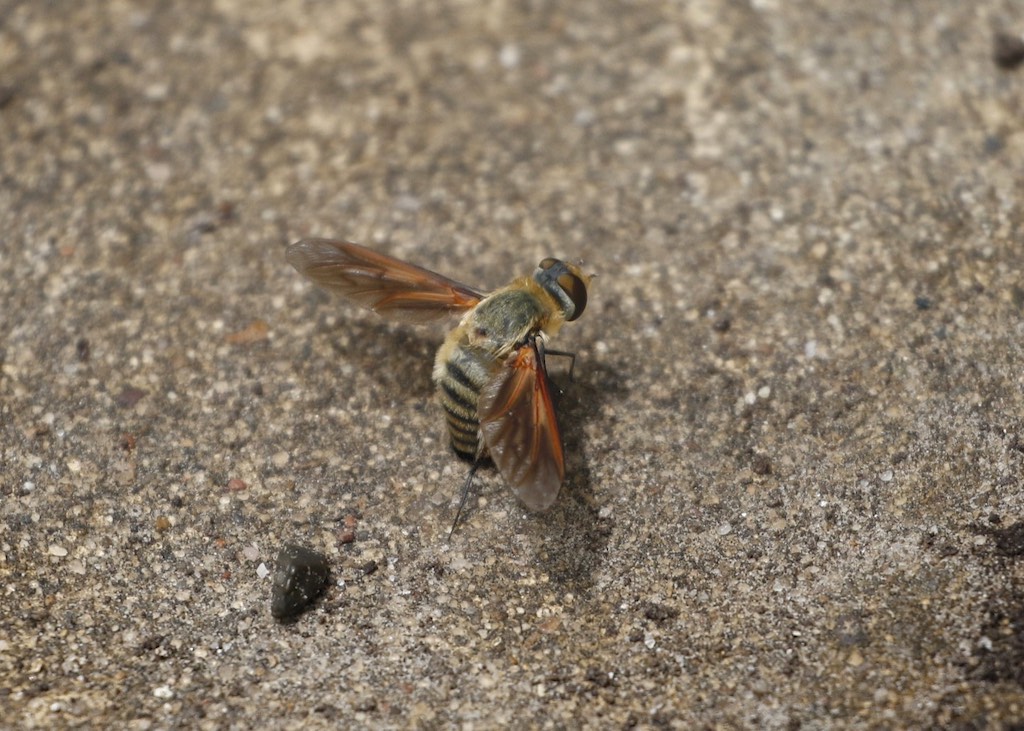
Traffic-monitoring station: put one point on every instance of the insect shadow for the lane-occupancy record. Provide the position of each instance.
(576, 535)
(409, 354)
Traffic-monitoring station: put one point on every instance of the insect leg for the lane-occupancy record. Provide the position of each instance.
(465, 495)
(564, 354)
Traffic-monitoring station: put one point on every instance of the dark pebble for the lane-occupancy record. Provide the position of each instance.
(1008, 50)
(660, 612)
(300, 577)
(1010, 541)
(83, 349)
(761, 464)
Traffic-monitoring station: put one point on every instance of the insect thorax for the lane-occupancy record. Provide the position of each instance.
(504, 320)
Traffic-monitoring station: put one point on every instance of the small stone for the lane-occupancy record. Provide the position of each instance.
(761, 464)
(254, 332)
(509, 56)
(1008, 50)
(58, 551)
(300, 577)
(129, 396)
(367, 705)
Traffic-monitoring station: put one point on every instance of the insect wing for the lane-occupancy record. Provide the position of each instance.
(520, 429)
(390, 287)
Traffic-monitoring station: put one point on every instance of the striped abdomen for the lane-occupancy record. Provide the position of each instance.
(459, 378)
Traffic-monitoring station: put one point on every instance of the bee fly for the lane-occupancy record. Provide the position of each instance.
(490, 372)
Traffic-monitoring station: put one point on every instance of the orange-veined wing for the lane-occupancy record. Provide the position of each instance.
(520, 429)
(390, 287)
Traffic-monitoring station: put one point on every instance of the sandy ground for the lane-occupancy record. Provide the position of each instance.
(794, 435)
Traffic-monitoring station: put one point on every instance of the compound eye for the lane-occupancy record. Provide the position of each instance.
(573, 285)
(576, 288)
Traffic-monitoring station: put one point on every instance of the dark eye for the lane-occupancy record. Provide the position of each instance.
(569, 282)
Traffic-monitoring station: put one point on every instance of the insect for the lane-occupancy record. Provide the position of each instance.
(490, 372)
